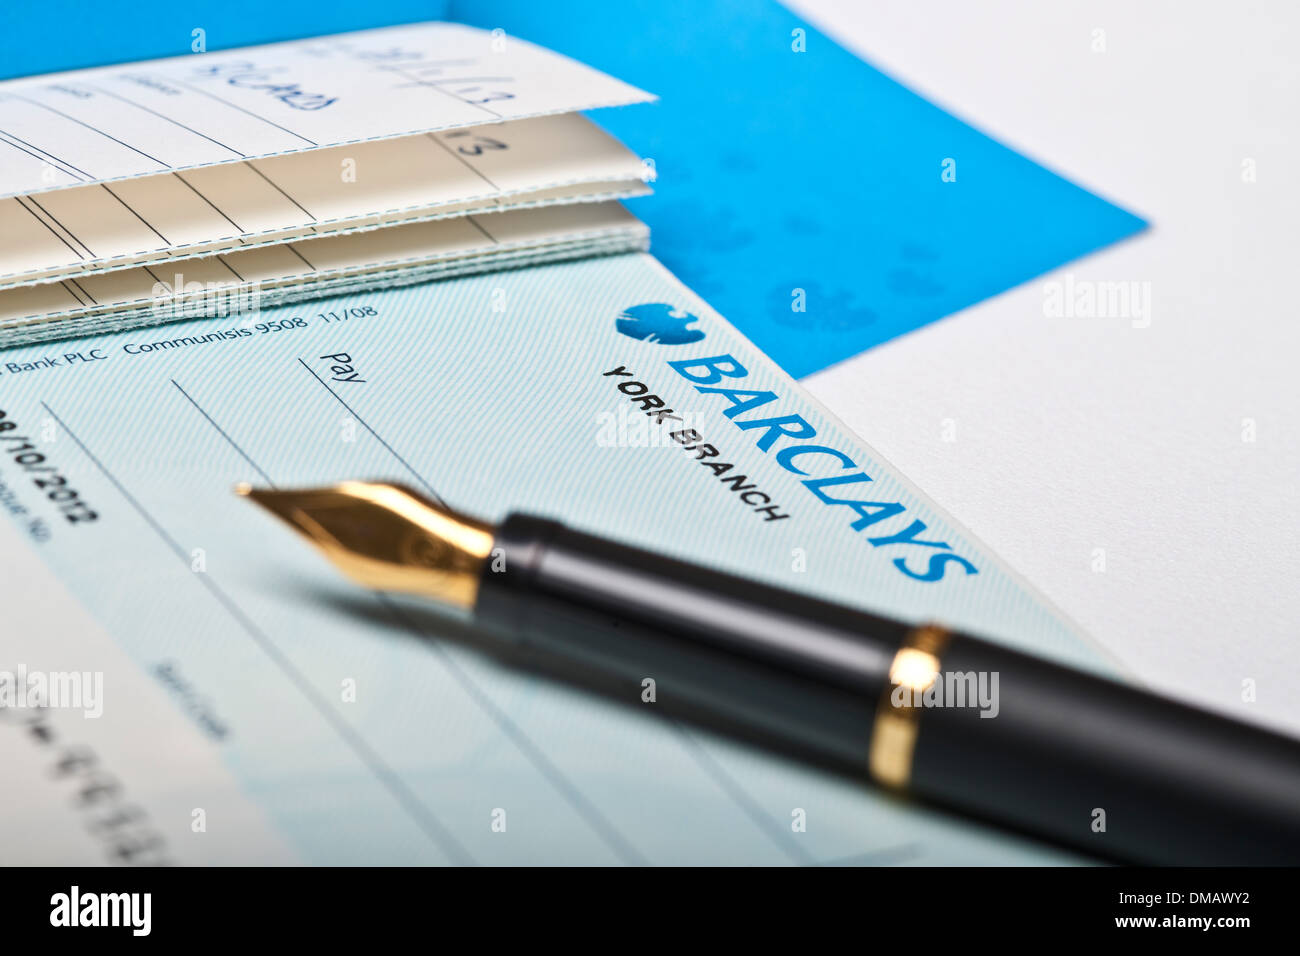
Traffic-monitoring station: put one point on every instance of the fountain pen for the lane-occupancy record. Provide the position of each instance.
(1105, 768)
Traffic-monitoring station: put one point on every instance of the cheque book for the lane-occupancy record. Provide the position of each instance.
(312, 721)
(226, 182)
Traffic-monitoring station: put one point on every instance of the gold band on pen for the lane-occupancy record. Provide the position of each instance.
(893, 737)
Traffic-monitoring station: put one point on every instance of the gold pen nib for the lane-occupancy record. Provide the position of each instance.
(387, 537)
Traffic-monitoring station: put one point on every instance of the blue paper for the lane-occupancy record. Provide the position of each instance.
(782, 171)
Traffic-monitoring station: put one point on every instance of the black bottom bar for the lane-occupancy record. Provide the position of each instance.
(927, 906)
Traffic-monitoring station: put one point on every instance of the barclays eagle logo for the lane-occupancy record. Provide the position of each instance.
(659, 322)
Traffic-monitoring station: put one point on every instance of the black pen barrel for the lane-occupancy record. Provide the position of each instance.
(1109, 768)
(1069, 757)
(794, 670)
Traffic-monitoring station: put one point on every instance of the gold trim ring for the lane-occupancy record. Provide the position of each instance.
(893, 736)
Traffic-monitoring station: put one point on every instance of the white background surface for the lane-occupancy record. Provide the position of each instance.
(1074, 434)
(1071, 434)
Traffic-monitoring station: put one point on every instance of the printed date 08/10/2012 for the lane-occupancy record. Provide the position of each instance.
(23, 452)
